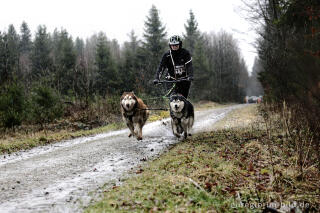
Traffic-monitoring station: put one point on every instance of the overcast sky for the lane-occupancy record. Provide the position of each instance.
(83, 18)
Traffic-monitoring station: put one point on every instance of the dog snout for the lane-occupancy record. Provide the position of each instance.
(176, 106)
(127, 105)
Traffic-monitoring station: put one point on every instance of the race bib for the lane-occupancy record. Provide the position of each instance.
(179, 70)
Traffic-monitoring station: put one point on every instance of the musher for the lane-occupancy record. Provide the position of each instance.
(178, 62)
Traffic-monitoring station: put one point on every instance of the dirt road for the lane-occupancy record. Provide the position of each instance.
(60, 177)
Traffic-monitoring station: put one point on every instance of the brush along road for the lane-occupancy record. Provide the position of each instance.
(60, 177)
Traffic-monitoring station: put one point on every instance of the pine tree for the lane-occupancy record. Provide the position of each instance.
(25, 42)
(81, 83)
(3, 54)
(106, 81)
(40, 55)
(90, 52)
(12, 57)
(192, 34)
(46, 105)
(129, 69)
(154, 45)
(202, 85)
(64, 62)
(12, 105)
(79, 47)
(25, 50)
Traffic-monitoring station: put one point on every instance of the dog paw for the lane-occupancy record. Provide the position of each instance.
(139, 138)
(130, 134)
(177, 135)
(189, 134)
(185, 135)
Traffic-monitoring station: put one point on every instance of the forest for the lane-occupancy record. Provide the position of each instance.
(289, 71)
(48, 76)
(261, 157)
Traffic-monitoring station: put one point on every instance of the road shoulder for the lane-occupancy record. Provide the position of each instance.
(225, 170)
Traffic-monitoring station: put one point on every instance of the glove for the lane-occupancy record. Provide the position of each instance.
(190, 78)
(169, 78)
(156, 81)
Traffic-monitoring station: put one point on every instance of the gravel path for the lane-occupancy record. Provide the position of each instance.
(60, 177)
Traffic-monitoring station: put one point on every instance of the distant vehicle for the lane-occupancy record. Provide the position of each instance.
(253, 99)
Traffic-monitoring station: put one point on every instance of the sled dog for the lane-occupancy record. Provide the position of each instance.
(134, 113)
(182, 115)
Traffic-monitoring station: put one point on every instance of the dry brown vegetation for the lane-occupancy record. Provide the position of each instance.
(233, 169)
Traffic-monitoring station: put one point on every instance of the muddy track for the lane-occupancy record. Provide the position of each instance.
(60, 177)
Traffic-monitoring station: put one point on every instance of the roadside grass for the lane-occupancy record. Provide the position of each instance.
(158, 115)
(14, 141)
(227, 170)
(244, 117)
(28, 141)
(203, 105)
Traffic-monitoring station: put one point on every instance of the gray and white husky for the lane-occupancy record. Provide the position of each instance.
(182, 115)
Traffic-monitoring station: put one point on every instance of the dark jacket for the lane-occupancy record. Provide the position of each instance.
(182, 64)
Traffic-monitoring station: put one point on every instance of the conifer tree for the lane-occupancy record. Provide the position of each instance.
(3, 54)
(64, 61)
(154, 45)
(12, 57)
(46, 105)
(25, 50)
(106, 81)
(129, 69)
(192, 33)
(40, 55)
(12, 105)
(25, 38)
(81, 73)
(202, 85)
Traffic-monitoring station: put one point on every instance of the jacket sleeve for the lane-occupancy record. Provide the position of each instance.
(188, 64)
(161, 67)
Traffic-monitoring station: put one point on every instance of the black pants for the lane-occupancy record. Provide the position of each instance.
(183, 88)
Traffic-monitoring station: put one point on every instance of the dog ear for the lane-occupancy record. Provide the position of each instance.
(134, 95)
(123, 95)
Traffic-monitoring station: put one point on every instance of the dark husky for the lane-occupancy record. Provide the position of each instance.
(182, 115)
(134, 113)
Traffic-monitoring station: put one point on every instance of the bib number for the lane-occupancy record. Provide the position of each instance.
(179, 70)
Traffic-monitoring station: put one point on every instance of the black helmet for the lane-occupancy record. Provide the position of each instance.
(175, 40)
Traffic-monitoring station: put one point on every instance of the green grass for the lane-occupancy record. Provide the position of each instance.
(213, 172)
(23, 142)
(15, 141)
(158, 115)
